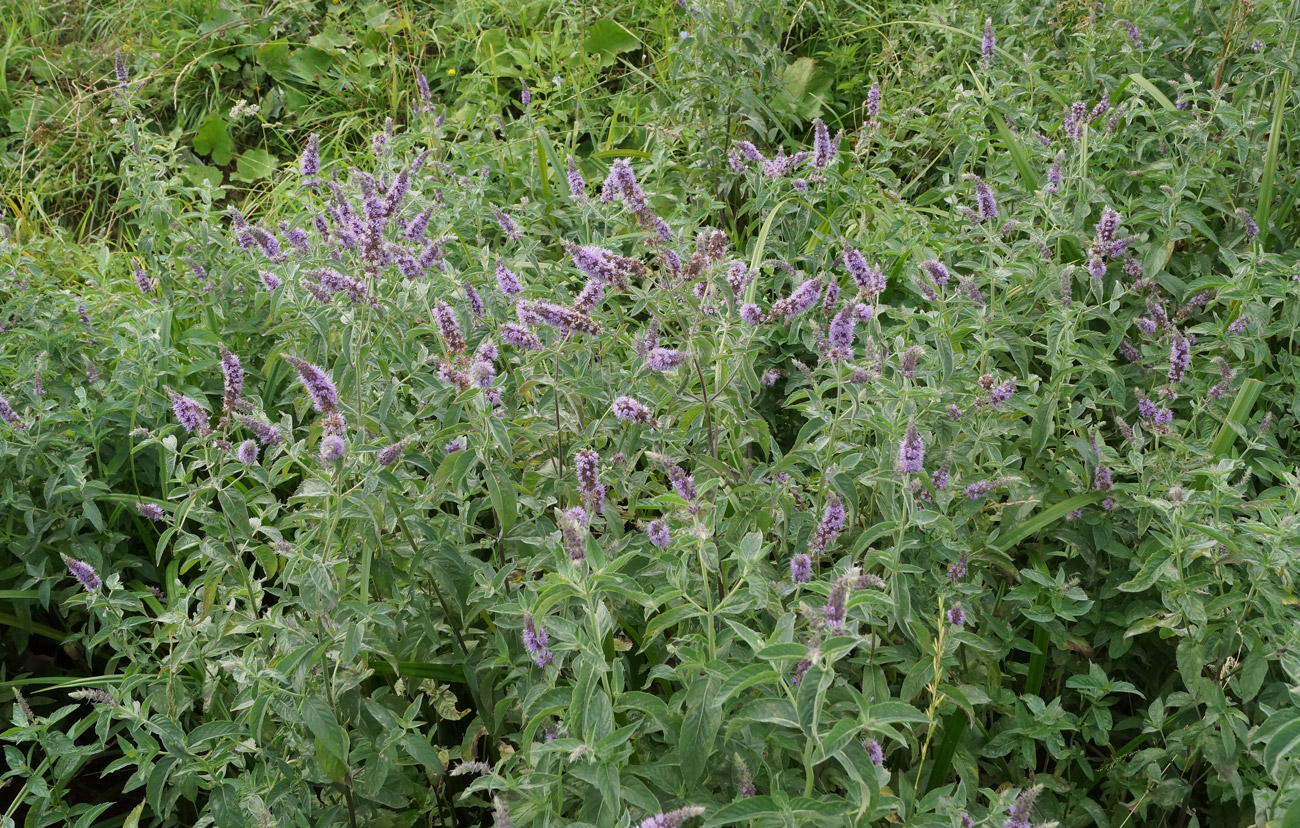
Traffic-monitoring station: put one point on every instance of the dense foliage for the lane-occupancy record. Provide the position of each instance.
(706, 415)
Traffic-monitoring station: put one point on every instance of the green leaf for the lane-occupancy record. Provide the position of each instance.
(747, 677)
(1235, 423)
(699, 729)
(213, 139)
(743, 810)
(1262, 212)
(1151, 90)
(1283, 742)
(255, 165)
(331, 740)
(833, 742)
(1151, 570)
(1043, 519)
(607, 38)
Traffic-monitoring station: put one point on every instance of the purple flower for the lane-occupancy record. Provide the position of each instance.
(455, 445)
(142, 279)
(83, 572)
(268, 435)
(664, 359)
(989, 45)
(936, 271)
(967, 821)
(954, 413)
(310, 163)
(1073, 122)
(324, 396)
(832, 523)
(870, 280)
(1180, 356)
(247, 452)
(332, 448)
(1019, 813)
(770, 377)
(841, 328)
(1252, 229)
(957, 569)
(749, 152)
(152, 511)
(1054, 173)
(834, 608)
(391, 454)
(751, 314)
(873, 101)
(956, 615)
(577, 186)
(1134, 36)
(448, 326)
(1002, 392)
(586, 464)
(745, 785)
(980, 488)
(269, 281)
(233, 372)
(1101, 480)
(511, 228)
(525, 94)
(627, 408)
(824, 149)
(874, 752)
(738, 276)
(10, 416)
(799, 301)
(83, 314)
(801, 568)
(657, 532)
(1102, 107)
(671, 819)
(988, 206)
(1107, 226)
(1240, 325)
(189, 412)
(911, 452)
(1108, 504)
(940, 481)
(536, 641)
(119, 68)
(520, 337)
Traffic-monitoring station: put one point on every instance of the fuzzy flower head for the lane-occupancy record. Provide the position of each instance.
(801, 568)
(832, 524)
(324, 396)
(664, 359)
(247, 452)
(751, 314)
(83, 572)
(234, 379)
(836, 601)
(956, 615)
(671, 819)
(586, 464)
(911, 452)
(875, 752)
(988, 47)
(332, 448)
(142, 280)
(577, 186)
(657, 532)
(800, 300)
(628, 409)
(151, 511)
(536, 641)
(870, 280)
(10, 416)
(189, 412)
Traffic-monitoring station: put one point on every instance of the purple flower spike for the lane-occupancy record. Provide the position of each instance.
(751, 314)
(247, 452)
(832, 523)
(586, 464)
(324, 396)
(151, 511)
(801, 568)
(83, 572)
(800, 300)
(234, 378)
(189, 412)
(911, 452)
(536, 641)
(627, 408)
(664, 359)
(332, 448)
(671, 819)
(957, 615)
(988, 47)
(834, 608)
(10, 416)
(874, 752)
(310, 164)
(870, 280)
(577, 186)
(142, 280)
(657, 532)
(509, 225)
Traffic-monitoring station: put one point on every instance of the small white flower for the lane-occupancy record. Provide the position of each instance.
(558, 81)
(243, 109)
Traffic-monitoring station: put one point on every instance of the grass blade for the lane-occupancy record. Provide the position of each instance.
(1235, 422)
(1151, 90)
(1270, 157)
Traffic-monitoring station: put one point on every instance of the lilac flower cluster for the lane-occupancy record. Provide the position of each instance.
(911, 452)
(536, 641)
(621, 184)
(832, 524)
(628, 409)
(836, 602)
(586, 464)
(83, 572)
